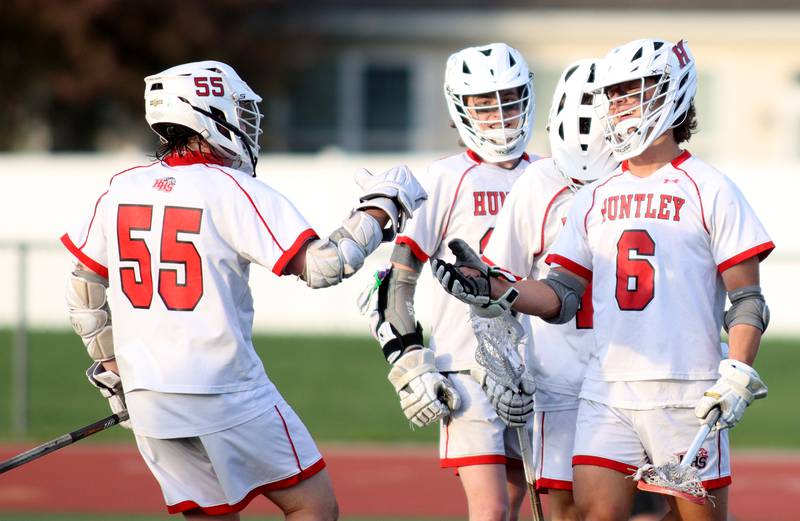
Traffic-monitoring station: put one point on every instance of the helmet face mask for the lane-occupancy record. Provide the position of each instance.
(577, 143)
(210, 99)
(646, 90)
(489, 93)
(497, 117)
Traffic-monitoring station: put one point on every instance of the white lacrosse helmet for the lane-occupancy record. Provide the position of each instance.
(580, 151)
(209, 98)
(489, 70)
(672, 67)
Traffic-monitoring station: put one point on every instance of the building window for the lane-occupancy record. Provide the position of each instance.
(387, 107)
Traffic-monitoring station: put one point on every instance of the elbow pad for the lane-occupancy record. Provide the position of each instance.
(329, 261)
(569, 291)
(747, 307)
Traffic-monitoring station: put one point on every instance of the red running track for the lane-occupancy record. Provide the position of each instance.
(113, 479)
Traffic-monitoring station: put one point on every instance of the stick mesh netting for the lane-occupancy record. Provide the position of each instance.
(498, 347)
(673, 479)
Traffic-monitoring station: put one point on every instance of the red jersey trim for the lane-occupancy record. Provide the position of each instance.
(455, 198)
(544, 220)
(484, 459)
(680, 158)
(289, 438)
(264, 222)
(94, 214)
(697, 189)
(509, 273)
(415, 249)
(712, 484)
(545, 484)
(217, 510)
(97, 203)
(83, 258)
(191, 157)
(762, 250)
(597, 461)
(474, 156)
(288, 255)
(594, 194)
(683, 156)
(572, 266)
(478, 159)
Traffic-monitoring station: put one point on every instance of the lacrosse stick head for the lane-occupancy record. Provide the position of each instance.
(499, 339)
(672, 479)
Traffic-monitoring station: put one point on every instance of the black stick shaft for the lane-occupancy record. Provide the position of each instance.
(62, 441)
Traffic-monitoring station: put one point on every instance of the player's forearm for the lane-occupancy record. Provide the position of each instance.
(402, 286)
(535, 297)
(379, 215)
(111, 365)
(743, 343)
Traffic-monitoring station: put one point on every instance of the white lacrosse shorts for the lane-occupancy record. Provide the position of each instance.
(625, 439)
(474, 434)
(221, 472)
(553, 439)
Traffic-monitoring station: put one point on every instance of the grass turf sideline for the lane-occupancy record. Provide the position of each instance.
(337, 384)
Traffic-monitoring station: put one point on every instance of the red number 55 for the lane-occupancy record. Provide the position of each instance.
(176, 296)
(209, 86)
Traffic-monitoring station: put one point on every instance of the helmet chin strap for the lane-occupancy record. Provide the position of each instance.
(237, 131)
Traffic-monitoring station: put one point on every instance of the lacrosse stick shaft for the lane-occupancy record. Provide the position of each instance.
(530, 478)
(700, 437)
(62, 441)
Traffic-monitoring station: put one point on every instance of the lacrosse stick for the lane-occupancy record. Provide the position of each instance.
(62, 441)
(497, 352)
(679, 479)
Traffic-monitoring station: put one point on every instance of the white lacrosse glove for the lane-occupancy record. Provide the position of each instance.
(425, 394)
(395, 191)
(513, 404)
(475, 291)
(737, 387)
(110, 386)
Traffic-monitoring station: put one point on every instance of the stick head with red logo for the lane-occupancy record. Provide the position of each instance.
(672, 479)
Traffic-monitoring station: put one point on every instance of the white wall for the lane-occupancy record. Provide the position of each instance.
(44, 194)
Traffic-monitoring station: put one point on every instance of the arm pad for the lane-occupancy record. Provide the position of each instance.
(747, 307)
(569, 291)
(89, 313)
(329, 261)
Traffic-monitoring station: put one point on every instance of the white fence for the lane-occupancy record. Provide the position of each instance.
(44, 194)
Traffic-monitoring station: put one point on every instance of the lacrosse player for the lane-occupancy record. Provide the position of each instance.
(168, 248)
(526, 228)
(489, 94)
(661, 239)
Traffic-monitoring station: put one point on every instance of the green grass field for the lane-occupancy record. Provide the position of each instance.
(338, 386)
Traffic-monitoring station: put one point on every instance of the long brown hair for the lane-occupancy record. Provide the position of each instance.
(688, 126)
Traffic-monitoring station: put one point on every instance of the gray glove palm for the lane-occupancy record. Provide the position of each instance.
(474, 290)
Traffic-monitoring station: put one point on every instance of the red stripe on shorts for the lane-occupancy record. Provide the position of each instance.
(597, 461)
(712, 484)
(218, 510)
(545, 484)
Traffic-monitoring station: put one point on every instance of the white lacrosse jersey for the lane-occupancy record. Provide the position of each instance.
(465, 195)
(654, 249)
(175, 240)
(532, 217)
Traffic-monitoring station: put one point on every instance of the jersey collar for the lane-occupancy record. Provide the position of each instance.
(190, 157)
(683, 156)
